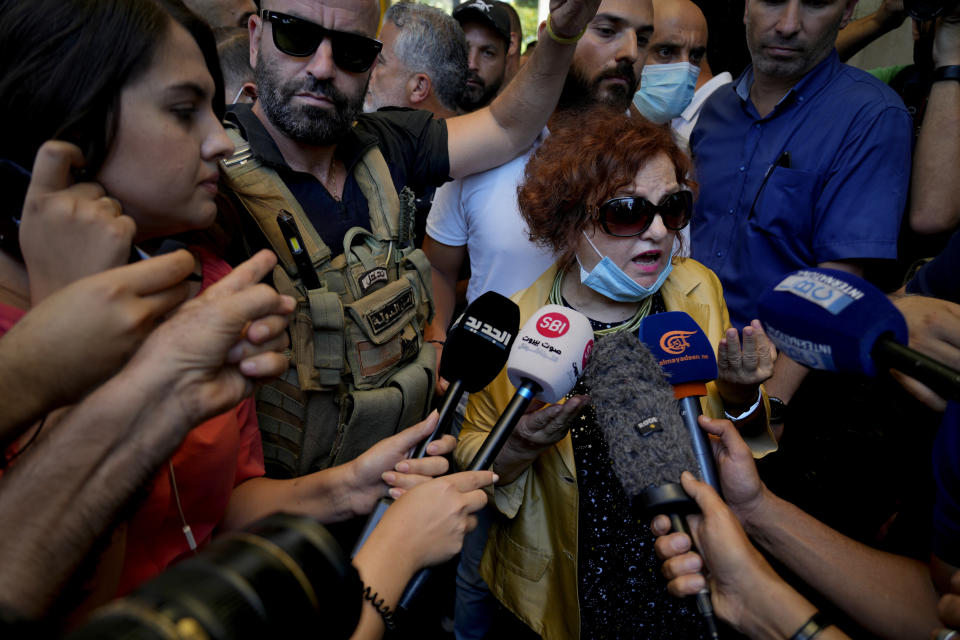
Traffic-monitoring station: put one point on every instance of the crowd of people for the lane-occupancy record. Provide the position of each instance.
(237, 234)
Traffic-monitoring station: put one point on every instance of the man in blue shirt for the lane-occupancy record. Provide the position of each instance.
(802, 161)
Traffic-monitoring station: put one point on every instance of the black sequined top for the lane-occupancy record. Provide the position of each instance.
(621, 592)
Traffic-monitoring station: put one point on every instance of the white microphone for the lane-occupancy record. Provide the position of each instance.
(546, 359)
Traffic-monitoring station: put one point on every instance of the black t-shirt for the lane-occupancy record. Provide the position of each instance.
(413, 143)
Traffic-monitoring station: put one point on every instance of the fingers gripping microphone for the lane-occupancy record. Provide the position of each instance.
(649, 446)
(475, 351)
(685, 354)
(548, 356)
(832, 320)
(546, 359)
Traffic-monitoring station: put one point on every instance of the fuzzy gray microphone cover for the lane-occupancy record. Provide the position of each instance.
(638, 414)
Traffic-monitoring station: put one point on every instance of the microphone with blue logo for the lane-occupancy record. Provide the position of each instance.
(834, 321)
(686, 356)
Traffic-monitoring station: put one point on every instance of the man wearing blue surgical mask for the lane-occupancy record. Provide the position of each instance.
(676, 77)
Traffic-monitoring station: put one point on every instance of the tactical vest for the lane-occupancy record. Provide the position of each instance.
(360, 369)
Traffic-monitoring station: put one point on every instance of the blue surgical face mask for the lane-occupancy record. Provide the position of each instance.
(665, 90)
(609, 280)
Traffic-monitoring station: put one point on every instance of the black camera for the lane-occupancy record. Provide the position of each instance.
(283, 577)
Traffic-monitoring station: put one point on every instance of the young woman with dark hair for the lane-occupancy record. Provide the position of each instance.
(116, 104)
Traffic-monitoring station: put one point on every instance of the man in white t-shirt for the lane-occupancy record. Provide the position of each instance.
(478, 215)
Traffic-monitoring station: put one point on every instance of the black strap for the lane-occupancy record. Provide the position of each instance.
(950, 72)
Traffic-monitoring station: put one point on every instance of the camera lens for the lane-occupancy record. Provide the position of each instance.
(283, 575)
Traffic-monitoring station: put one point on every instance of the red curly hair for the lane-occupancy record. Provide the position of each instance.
(588, 157)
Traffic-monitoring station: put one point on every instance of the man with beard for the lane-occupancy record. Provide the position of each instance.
(487, 28)
(479, 216)
(330, 190)
(802, 161)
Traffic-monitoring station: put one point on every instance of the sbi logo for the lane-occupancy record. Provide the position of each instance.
(675, 342)
(553, 325)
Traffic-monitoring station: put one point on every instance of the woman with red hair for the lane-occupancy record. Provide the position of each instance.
(567, 557)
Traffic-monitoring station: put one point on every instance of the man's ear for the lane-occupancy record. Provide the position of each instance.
(249, 89)
(419, 87)
(848, 13)
(514, 44)
(255, 28)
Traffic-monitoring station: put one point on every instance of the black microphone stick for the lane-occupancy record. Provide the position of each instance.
(475, 351)
(546, 359)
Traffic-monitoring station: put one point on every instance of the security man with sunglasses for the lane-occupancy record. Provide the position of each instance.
(331, 189)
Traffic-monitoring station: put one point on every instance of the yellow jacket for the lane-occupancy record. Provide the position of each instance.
(530, 562)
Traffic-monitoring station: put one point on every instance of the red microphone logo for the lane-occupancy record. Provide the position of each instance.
(675, 342)
(587, 350)
(553, 325)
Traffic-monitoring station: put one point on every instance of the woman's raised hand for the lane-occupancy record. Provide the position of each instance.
(69, 229)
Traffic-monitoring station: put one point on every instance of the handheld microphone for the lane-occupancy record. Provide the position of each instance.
(546, 359)
(548, 356)
(474, 352)
(832, 320)
(683, 350)
(649, 446)
(476, 349)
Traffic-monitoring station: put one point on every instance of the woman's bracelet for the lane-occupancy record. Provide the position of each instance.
(384, 611)
(814, 625)
(560, 39)
(746, 413)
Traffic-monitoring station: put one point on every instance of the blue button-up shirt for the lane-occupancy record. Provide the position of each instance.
(822, 177)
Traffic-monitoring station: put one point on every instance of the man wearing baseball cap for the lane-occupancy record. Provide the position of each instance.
(486, 23)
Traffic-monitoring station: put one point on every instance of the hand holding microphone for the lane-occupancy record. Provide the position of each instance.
(545, 361)
(476, 350)
(649, 446)
(832, 320)
(746, 591)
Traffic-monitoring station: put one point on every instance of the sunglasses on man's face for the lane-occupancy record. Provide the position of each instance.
(298, 37)
(630, 216)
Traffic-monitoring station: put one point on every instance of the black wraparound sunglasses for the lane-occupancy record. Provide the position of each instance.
(631, 215)
(298, 37)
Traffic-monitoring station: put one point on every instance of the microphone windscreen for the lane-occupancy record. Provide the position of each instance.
(680, 346)
(637, 412)
(829, 319)
(478, 343)
(551, 350)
